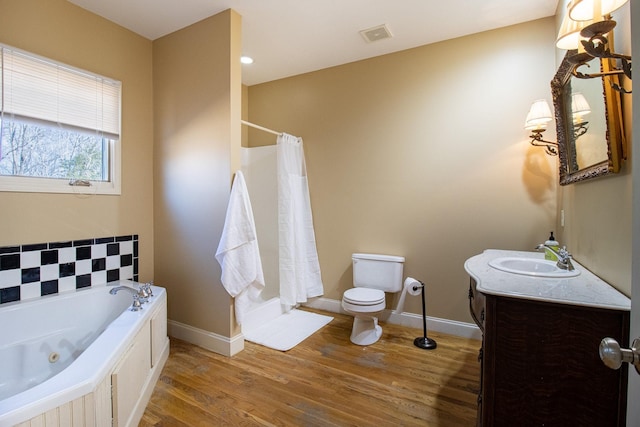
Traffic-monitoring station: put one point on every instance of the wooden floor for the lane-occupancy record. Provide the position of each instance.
(324, 381)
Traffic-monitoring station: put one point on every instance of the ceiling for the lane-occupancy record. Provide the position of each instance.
(290, 37)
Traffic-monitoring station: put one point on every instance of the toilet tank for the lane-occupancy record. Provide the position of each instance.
(375, 271)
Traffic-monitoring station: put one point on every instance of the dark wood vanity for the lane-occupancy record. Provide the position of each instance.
(540, 363)
(539, 357)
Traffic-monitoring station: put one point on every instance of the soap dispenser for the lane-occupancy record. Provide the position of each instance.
(555, 245)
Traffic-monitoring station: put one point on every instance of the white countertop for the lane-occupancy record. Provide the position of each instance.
(586, 289)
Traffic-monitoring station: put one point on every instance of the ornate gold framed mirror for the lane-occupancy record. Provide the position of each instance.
(588, 123)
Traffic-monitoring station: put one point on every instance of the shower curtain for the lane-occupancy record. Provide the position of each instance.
(299, 267)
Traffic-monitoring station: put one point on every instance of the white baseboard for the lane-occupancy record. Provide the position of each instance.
(445, 326)
(205, 339)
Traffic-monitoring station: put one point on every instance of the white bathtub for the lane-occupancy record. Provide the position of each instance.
(60, 348)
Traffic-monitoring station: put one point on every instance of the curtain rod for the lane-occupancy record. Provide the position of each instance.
(244, 122)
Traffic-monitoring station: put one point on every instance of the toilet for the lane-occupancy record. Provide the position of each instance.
(373, 275)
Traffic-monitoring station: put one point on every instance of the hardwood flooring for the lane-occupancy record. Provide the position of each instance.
(324, 381)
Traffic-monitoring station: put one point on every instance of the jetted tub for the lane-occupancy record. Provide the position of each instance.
(63, 354)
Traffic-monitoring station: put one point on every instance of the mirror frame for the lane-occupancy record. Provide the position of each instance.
(614, 138)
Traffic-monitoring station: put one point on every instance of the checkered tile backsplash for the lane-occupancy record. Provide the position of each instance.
(30, 271)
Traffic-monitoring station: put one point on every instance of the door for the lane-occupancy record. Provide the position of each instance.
(633, 395)
(633, 409)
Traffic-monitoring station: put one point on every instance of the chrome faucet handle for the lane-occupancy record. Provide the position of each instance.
(148, 287)
(137, 305)
(563, 252)
(143, 294)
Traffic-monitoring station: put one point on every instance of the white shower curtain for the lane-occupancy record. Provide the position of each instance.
(299, 267)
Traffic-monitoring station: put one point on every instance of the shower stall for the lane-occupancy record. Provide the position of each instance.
(276, 182)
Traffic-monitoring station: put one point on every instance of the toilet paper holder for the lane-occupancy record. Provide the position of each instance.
(415, 287)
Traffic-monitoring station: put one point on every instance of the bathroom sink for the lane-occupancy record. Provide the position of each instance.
(531, 267)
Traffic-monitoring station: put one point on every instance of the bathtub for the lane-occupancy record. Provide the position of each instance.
(61, 355)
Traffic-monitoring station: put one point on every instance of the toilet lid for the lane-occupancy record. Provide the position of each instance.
(363, 296)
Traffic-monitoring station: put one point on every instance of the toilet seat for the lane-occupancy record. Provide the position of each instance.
(363, 300)
(363, 296)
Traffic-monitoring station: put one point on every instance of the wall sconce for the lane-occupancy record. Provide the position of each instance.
(536, 121)
(540, 114)
(584, 28)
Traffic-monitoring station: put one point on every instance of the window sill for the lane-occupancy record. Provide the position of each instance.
(61, 186)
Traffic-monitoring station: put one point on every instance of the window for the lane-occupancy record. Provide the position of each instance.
(59, 127)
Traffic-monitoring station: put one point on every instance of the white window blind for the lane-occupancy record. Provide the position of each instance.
(35, 88)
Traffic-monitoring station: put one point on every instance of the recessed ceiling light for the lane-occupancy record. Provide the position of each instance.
(246, 60)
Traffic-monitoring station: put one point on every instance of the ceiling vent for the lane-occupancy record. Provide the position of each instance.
(374, 34)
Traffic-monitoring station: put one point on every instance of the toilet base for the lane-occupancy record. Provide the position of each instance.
(366, 330)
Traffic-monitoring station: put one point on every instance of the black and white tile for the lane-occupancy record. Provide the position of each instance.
(30, 271)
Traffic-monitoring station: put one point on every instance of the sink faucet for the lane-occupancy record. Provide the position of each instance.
(564, 257)
(137, 305)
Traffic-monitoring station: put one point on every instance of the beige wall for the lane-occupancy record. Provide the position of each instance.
(61, 31)
(197, 101)
(598, 213)
(423, 154)
(419, 153)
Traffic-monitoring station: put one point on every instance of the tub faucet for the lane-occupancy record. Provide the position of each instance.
(564, 257)
(137, 305)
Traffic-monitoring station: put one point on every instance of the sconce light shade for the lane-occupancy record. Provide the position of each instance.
(537, 119)
(569, 34)
(539, 115)
(584, 10)
(591, 42)
(579, 105)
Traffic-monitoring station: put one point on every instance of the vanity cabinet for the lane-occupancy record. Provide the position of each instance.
(540, 364)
